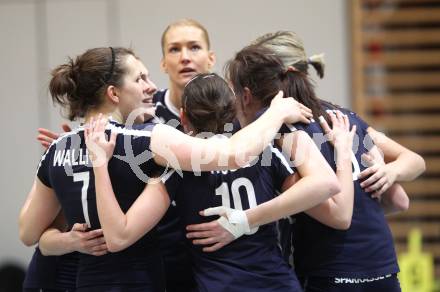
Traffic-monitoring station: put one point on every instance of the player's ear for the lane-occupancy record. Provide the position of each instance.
(247, 96)
(112, 94)
(163, 65)
(211, 60)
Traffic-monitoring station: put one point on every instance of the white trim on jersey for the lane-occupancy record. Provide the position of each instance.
(167, 176)
(281, 158)
(128, 132)
(291, 127)
(170, 105)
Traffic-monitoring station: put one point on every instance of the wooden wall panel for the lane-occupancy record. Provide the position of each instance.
(396, 88)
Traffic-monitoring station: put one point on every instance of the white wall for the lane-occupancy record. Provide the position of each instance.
(38, 35)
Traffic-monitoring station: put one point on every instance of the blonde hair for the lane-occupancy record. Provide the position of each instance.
(289, 47)
(185, 22)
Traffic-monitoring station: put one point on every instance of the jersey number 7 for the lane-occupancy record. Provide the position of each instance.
(85, 178)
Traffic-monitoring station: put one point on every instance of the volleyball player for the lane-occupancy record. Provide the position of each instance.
(186, 52)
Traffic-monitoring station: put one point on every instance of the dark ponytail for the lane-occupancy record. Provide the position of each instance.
(62, 86)
(80, 85)
(298, 85)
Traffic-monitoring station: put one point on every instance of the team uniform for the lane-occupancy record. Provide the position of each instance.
(178, 273)
(51, 273)
(66, 169)
(361, 258)
(252, 262)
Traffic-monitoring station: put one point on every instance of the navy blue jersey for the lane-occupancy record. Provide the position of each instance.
(66, 169)
(166, 113)
(178, 273)
(51, 272)
(252, 262)
(366, 249)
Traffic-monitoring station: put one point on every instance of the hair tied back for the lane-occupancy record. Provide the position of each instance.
(317, 58)
(318, 62)
(291, 69)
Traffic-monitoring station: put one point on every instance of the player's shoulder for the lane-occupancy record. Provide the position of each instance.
(136, 130)
(329, 106)
(353, 116)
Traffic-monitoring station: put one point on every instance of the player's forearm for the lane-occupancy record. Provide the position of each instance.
(250, 141)
(408, 166)
(113, 220)
(54, 242)
(25, 221)
(36, 215)
(303, 195)
(27, 234)
(405, 164)
(317, 184)
(340, 209)
(395, 200)
(189, 153)
(337, 211)
(342, 203)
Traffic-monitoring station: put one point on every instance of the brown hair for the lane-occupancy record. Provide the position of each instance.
(185, 22)
(80, 85)
(209, 103)
(263, 73)
(290, 49)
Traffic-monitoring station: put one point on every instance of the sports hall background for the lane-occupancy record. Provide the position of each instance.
(36, 35)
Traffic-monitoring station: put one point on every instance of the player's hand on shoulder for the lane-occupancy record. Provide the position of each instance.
(290, 109)
(100, 148)
(46, 136)
(339, 134)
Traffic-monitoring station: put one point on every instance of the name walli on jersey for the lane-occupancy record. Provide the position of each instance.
(71, 157)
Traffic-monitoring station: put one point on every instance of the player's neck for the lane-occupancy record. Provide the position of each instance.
(176, 96)
(115, 115)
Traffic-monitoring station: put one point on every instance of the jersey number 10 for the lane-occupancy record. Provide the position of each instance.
(223, 191)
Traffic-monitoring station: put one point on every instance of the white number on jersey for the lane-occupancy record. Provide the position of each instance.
(356, 168)
(85, 178)
(223, 191)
